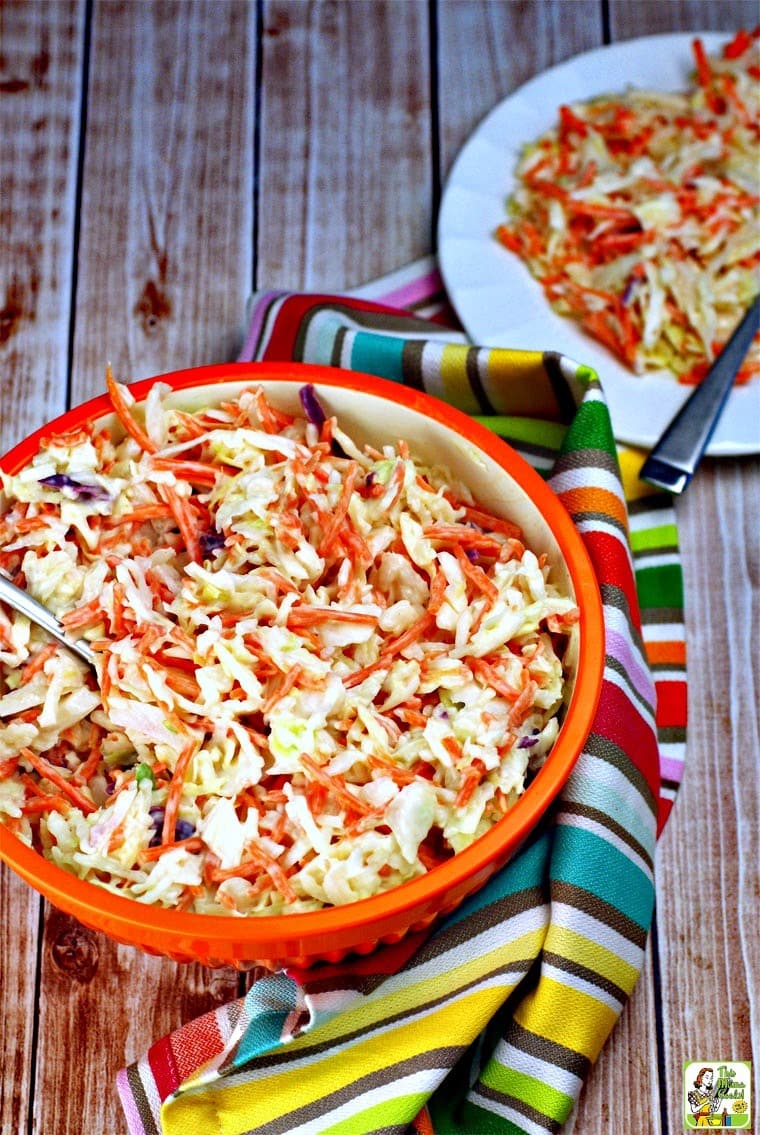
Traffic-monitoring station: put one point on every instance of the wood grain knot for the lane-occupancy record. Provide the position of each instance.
(39, 65)
(13, 85)
(152, 306)
(12, 311)
(75, 952)
(280, 23)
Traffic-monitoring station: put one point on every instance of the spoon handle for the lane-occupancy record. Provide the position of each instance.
(26, 604)
(674, 459)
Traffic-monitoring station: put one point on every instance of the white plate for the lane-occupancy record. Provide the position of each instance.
(494, 294)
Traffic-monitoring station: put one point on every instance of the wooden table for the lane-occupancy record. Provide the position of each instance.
(158, 161)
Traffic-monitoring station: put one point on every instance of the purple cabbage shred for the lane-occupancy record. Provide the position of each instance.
(313, 410)
(311, 405)
(211, 542)
(183, 828)
(629, 289)
(83, 492)
(156, 814)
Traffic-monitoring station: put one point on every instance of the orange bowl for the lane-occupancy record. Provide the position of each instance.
(372, 410)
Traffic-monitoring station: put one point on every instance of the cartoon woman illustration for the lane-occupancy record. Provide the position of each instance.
(703, 1101)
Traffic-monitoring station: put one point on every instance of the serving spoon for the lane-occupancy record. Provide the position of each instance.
(37, 613)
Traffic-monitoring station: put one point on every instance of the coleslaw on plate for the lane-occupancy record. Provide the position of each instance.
(638, 214)
(321, 669)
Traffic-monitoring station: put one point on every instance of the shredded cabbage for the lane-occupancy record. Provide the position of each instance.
(321, 670)
(638, 214)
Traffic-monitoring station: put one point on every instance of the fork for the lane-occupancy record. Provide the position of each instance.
(26, 604)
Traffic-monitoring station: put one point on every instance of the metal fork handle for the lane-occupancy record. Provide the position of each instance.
(27, 605)
(674, 459)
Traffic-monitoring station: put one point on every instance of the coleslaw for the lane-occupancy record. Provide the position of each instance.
(638, 214)
(321, 669)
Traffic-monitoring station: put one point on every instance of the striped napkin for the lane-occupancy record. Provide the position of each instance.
(489, 1024)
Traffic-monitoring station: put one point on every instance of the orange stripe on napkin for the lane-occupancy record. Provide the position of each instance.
(666, 653)
(594, 499)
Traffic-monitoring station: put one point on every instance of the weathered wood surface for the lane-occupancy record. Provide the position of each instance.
(158, 160)
(40, 97)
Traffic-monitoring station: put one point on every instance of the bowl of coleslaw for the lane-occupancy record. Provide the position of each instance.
(348, 648)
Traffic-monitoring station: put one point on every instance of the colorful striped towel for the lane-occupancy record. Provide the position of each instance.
(490, 1023)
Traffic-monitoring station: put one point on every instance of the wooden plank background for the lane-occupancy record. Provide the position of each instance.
(158, 161)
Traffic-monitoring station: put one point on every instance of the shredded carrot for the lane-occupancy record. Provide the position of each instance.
(186, 521)
(191, 426)
(470, 782)
(523, 705)
(283, 687)
(121, 405)
(304, 616)
(492, 678)
(38, 662)
(397, 481)
(27, 524)
(181, 682)
(477, 576)
(341, 510)
(211, 863)
(140, 515)
(273, 421)
(120, 611)
(189, 895)
(741, 42)
(196, 472)
(116, 838)
(560, 623)
(356, 548)
(277, 831)
(418, 628)
(336, 785)
(438, 587)
(259, 861)
(87, 615)
(151, 854)
(493, 523)
(316, 796)
(459, 534)
(8, 767)
(30, 714)
(31, 785)
(176, 784)
(413, 717)
(45, 804)
(388, 768)
(704, 73)
(89, 767)
(69, 790)
(512, 550)
(452, 747)
(571, 123)
(278, 580)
